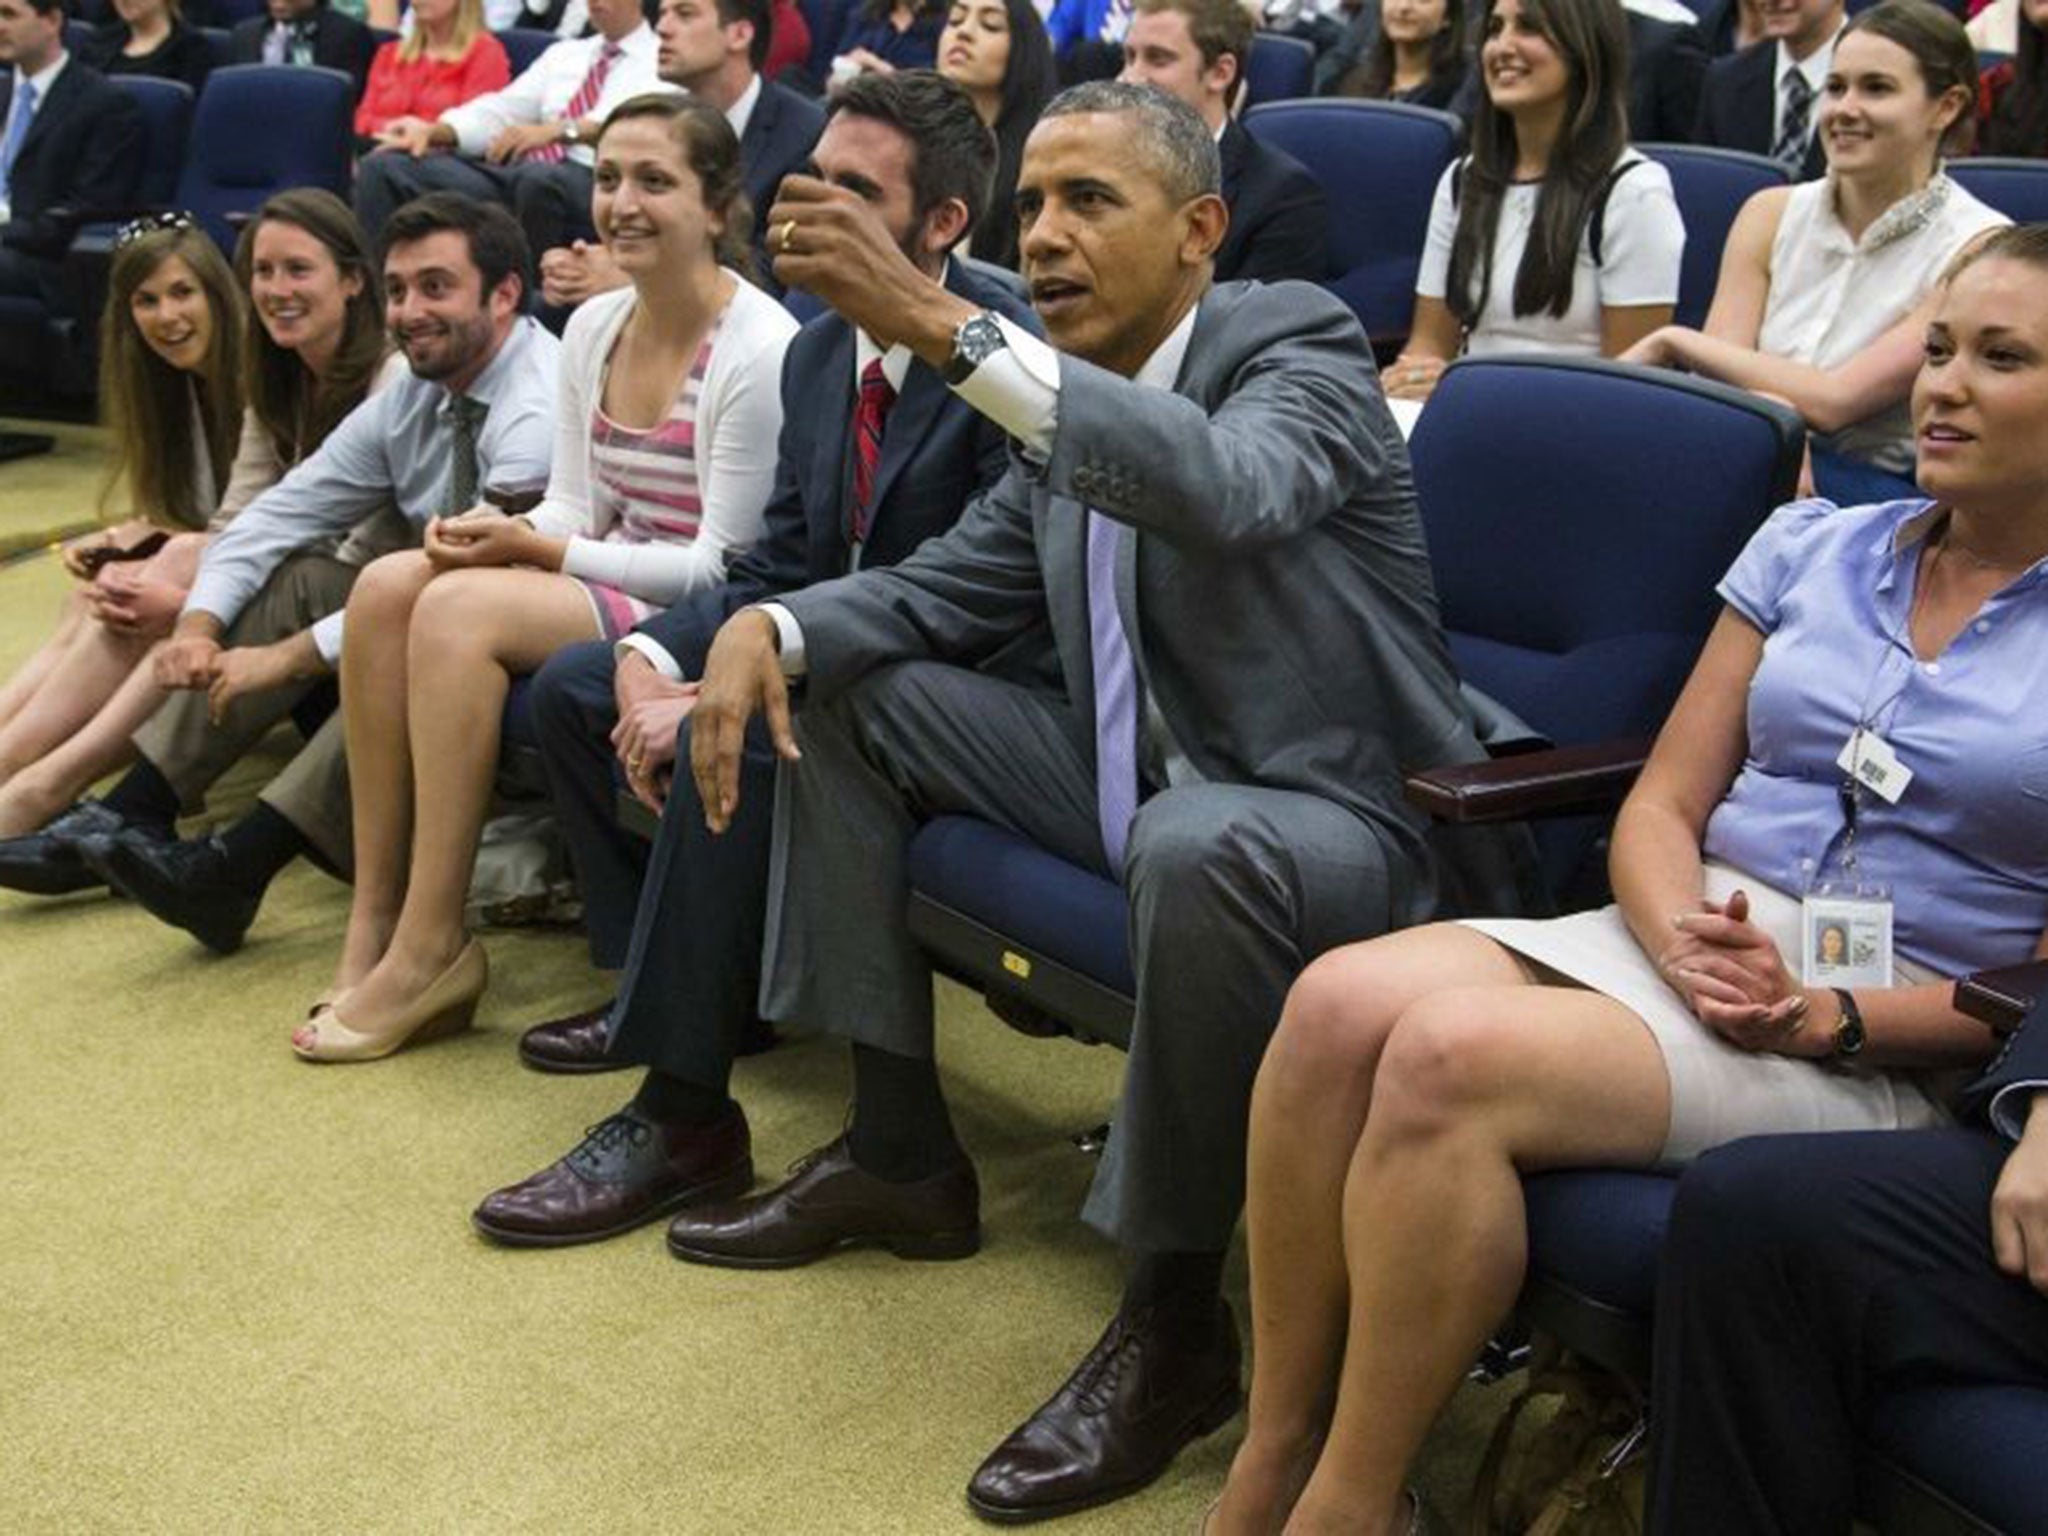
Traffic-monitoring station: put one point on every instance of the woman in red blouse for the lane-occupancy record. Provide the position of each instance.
(446, 60)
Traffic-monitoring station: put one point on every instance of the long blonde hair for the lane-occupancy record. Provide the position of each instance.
(469, 20)
(146, 402)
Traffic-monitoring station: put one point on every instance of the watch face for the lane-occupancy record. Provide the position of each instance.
(979, 339)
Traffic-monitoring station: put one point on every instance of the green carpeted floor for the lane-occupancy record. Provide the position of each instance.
(239, 1293)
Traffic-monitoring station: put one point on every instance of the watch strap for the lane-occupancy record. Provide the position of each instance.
(1849, 1032)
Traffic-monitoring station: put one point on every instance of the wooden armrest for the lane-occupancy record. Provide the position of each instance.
(2003, 997)
(1560, 781)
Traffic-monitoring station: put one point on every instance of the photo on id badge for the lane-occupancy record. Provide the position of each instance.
(1846, 938)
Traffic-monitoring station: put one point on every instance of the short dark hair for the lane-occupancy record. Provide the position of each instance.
(1169, 132)
(762, 14)
(955, 154)
(496, 243)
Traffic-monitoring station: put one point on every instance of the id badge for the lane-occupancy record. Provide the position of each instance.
(1846, 936)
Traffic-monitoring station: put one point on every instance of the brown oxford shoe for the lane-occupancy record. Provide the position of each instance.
(577, 1044)
(573, 1044)
(1142, 1393)
(627, 1171)
(828, 1204)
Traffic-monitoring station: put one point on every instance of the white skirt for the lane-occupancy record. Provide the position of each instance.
(1719, 1092)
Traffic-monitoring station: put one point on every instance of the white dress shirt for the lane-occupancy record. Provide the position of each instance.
(543, 93)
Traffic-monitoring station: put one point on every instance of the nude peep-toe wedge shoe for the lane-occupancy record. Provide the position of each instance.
(446, 1007)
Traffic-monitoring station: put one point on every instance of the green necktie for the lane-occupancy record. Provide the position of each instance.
(467, 416)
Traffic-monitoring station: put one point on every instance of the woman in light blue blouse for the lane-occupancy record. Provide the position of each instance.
(1414, 1079)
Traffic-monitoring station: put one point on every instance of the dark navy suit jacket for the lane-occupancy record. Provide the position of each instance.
(938, 454)
(1738, 105)
(1279, 218)
(82, 155)
(778, 139)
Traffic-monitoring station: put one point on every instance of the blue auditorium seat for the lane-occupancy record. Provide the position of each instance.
(2017, 188)
(1378, 163)
(525, 44)
(1711, 186)
(1279, 69)
(220, 45)
(259, 129)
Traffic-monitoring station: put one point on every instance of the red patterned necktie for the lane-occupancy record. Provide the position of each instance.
(877, 394)
(580, 105)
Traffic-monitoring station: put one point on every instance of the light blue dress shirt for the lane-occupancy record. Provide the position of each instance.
(1965, 849)
(396, 447)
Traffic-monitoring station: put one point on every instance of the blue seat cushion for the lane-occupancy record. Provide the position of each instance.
(1598, 1232)
(1031, 897)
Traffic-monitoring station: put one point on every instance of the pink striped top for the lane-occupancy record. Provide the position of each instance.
(645, 488)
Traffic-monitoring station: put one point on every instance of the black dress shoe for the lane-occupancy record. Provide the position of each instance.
(579, 1043)
(626, 1171)
(832, 1203)
(48, 863)
(1147, 1388)
(185, 884)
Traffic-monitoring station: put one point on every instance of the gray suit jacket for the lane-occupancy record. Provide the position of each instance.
(1287, 621)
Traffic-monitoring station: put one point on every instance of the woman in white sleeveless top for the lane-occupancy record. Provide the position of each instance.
(1826, 287)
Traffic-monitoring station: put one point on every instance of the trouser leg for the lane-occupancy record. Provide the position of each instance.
(183, 742)
(1233, 890)
(1802, 1276)
(693, 973)
(552, 203)
(312, 794)
(575, 711)
(906, 743)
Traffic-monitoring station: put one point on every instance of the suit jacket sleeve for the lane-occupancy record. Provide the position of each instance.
(106, 156)
(1281, 451)
(2002, 1094)
(962, 595)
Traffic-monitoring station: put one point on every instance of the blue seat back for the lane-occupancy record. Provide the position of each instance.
(1379, 163)
(2016, 188)
(220, 46)
(166, 107)
(260, 128)
(227, 14)
(1579, 514)
(1279, 69)
(525, 44)
(1711, 186)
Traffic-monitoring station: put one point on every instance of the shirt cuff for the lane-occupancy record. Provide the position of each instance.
(1018, 388)
(2009, 1108)
(789, 637)
(656, 653)
(327, 638)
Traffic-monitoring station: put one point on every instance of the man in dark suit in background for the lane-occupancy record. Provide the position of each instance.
(1766, 99)
(688, 935)
(1279, 218)
(1804, 1276)
(714, 50)
(305, 32)
(1667, 60)
(70, 146)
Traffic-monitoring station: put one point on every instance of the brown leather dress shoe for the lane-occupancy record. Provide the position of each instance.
(1142, 1393)
(829, 1204)
(627, 1171)
(573, 1044)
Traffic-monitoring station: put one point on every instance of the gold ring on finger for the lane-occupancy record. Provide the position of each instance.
(783, 235)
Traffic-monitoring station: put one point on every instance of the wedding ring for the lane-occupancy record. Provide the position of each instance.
(782, 236)
(635, 763)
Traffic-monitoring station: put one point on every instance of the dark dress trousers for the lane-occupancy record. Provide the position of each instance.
(339, 42)
(1806, 1275)
(1738, 106)
(1279, 218)
(684, 921)
(81, 155)
(1667, 60)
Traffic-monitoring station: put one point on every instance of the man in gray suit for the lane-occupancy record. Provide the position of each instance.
(1211, 506)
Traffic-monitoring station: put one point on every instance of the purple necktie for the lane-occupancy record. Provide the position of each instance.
(1116, 695)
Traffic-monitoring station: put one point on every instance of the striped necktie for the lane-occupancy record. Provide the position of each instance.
(1790, 150)
(870, 417)
(581, 105)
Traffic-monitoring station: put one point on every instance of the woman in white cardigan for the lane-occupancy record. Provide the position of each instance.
(668, 415)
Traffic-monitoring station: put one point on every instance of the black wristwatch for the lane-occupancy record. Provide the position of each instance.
(1849, 1033)
(977, 339)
